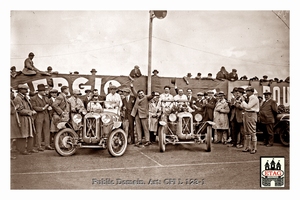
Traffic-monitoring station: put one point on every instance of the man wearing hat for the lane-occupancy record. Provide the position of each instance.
(135, 72)
(42, 106)
(267, 114)
(29, 68)
(128, 103)
(221, 120)
(222, 74)
(52, 96)
(198, 105)
(233, 75)
(87, 97)
(24, 141)
(76, 106)
(61, 107)
(166, 96)
(154, 114)
(155, 72)
(236, 117)
(115, 97)
(251, 109)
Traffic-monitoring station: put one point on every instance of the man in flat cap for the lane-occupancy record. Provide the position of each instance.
(76, 107)
(233, 76)
(61, 107)
(135, 72)
(251, 108)
(236, 117)
(267, 114)
(128, 103)
(24, 141)
(41, 105)
(29, 68)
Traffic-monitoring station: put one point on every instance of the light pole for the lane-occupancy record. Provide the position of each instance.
(160, 14)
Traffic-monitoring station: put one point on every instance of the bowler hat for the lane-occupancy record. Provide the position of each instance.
(63, 88)
(87, 90)
(41, 87)
(155, 71)
(22, 86)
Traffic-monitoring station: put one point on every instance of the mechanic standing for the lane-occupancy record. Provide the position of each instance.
(268, 112)
(251, 106)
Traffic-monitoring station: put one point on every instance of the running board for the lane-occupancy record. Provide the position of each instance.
(91, 146)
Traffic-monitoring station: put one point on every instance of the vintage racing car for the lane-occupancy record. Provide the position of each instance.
(98, 130)
(182, 127)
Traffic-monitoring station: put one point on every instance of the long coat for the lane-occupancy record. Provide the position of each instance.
(268, 111)
(59, 106)
(154, 113)
(221, 115)
(15, 131)
(26, 120)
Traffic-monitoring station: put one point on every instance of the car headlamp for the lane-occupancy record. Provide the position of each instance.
(198, 117)
(172, 117)
(105, 119)
(77, 118)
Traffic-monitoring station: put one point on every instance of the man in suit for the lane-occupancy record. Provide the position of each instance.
(128, 103)
(24, 140)
(61, 107)
(267, 114)
(210, 106)
(190, 97)
(236, 117)
(42, 119)
(141, 113)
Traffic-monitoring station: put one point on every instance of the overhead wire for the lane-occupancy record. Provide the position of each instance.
(215, 54)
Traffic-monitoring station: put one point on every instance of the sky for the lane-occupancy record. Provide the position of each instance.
(255, 42)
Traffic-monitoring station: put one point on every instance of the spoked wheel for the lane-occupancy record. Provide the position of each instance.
(64, 142)
(208, 138)
(162, 139)
(117, 143)
(284, 136)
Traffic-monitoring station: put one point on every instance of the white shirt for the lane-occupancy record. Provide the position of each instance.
(94, 106)
(253, 104)
(114, 97)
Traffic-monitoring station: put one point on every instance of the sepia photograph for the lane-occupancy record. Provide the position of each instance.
(154, 98)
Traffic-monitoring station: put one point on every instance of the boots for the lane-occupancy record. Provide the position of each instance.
(247, 143)
(254, 147)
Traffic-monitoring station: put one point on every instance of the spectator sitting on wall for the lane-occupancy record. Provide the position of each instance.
(155, 72)
(29, 68)
(135, 73)
(233, 76)
(49, 70)
(244, 78)
(209, 77)
(222, 74)
(14, 72)
(187, 77)
(198, 77)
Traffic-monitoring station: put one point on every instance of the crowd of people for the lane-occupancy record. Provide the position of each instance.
(35, 115)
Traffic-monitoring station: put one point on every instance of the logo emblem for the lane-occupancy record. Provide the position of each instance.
(272, 171)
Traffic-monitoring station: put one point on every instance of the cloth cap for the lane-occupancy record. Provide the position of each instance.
(63, 88)
(53, 91)
(200, 94)
(22, 86)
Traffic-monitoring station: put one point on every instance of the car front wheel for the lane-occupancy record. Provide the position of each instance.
(117, 143)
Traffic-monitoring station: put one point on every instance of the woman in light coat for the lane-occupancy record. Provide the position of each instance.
(221, 118)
